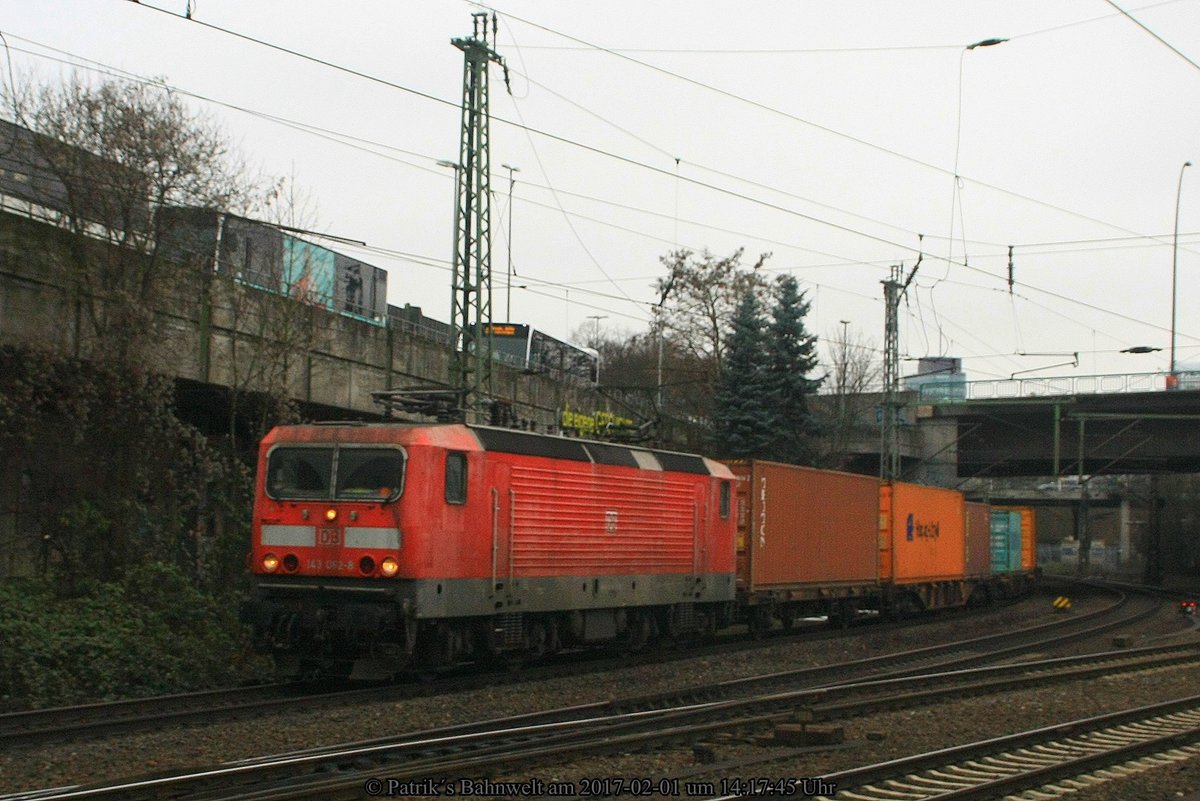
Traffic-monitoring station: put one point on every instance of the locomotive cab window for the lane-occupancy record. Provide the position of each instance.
(299, 473)
(456, 478)
(724, 500)
(369, 474)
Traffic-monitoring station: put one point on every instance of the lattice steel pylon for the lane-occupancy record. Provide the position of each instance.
(471, 293)
(889, 428)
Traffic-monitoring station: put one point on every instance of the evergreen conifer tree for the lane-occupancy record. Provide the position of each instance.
(792, 355)
(743, 416)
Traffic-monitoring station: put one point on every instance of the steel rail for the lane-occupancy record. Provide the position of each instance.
(1030, 759)
(490, 748)
(63, 724)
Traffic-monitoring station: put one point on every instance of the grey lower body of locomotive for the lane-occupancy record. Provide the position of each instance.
(375, 628)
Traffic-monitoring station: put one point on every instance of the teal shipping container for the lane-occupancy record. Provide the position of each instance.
(1006, 541)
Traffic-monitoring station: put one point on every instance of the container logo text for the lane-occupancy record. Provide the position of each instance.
(927, 531)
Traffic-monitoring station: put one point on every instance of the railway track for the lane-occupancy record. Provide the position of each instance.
(1054, 761)
(63, 724)
(477, 749)
(113, 717)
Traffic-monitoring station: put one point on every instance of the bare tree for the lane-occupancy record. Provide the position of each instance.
(108, 159)
(847, 413)
(269, 317)
(108, 475)
(699, 298)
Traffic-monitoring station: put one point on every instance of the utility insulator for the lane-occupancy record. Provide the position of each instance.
(1010, 270)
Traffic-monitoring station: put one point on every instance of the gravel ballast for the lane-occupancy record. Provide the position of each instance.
(872, 739)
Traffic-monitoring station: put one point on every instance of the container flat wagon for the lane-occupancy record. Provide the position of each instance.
(807, 542)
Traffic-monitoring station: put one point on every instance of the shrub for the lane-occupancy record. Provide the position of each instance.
(152, 633)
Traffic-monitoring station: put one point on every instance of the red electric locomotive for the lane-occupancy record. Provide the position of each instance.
(381, 546)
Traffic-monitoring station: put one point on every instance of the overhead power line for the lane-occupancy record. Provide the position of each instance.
(796, 118)
(670, 173)
(1161, 40)
(661, 171)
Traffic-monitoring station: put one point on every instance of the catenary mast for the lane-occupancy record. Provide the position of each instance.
(471, 294)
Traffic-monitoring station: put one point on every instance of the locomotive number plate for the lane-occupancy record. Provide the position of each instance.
(329, 537)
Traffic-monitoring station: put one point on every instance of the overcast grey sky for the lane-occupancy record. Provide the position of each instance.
(824, 131)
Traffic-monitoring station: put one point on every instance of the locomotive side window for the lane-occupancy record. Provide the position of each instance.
(299, 473)
(724, 507)
(369, 473)
(456, 478)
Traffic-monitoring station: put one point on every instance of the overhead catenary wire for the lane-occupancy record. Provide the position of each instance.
(653, 168)
(988, 273)
(444, 265)
(1160, 40)
(794, 117)
(632, 162)
(357, 73)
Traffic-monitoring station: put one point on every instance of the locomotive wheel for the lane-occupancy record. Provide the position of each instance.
(537, 640)
(759, 621)
(638, 632)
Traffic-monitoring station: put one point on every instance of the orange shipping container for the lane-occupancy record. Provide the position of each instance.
(1028, 540)
(799, 526)
(979, 539)
(922, 533)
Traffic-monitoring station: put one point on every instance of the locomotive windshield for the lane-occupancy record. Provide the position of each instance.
(339, 473)
(374, 473)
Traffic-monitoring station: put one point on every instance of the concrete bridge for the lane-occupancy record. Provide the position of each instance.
(1089, 425)
(222, 337)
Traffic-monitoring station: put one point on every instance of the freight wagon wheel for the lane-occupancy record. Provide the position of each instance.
(787, 618)
(841, 615)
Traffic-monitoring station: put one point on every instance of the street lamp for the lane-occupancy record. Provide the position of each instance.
(958, 124)
(596, 318)
(986, 43)
(508, 284)
(1172, 380)
(457, 169)
(455, 265)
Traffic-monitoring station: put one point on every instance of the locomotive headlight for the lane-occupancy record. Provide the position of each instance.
(270, 563)
(389, 567)
(331, 515)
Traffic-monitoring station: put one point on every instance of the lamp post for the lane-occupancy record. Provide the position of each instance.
(455, 262)
(962, 55)
(1172, 380)
(458, 328)
(596, 318)
(508, 283)
(844, 367)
